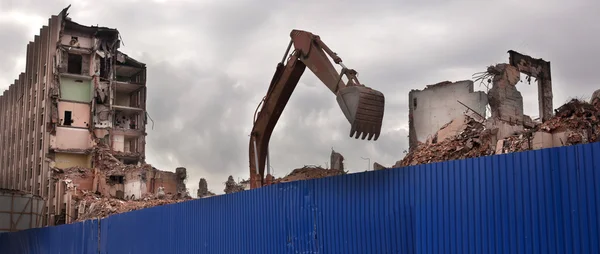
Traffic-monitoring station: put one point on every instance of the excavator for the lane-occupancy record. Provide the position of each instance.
(361, 105)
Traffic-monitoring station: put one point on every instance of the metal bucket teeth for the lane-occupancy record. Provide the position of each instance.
(364, 108)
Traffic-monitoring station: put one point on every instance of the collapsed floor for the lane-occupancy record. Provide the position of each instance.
(114, 187)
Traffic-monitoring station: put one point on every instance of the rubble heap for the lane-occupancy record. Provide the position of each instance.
(578, 120)
(578, 116)
(473, 141)
(102, 191)
(203, 189)
(91, 205)
(309, 172)
(231, 186)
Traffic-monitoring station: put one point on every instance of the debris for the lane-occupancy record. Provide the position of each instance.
(337, 160)
(203, 189)
(377, 166)
(232, 187)
(309, 172)
(595, 100)
(575, 122)
(91, 205)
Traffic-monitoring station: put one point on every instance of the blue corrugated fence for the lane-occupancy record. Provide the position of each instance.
(543, 201)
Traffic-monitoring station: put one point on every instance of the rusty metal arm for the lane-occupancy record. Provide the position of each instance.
(362, 106)
(282, 86)
(314, 52)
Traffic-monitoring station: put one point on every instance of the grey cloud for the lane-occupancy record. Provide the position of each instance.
(203, 105)
(10, 50)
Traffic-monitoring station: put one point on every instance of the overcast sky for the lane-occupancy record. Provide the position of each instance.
(210, 63)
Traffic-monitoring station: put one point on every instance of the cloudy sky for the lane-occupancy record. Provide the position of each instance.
(210, 62)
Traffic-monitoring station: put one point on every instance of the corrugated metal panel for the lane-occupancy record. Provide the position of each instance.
(544, 201)
(64, 239)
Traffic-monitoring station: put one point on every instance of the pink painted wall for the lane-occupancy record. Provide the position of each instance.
(71, 138)
(80, 113)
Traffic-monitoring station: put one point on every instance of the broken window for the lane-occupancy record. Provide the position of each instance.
(103, 72)
(68, 118)
(74, 64)
(414, 102)
(116, 179)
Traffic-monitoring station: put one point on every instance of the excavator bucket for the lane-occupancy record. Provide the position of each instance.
(363, 107)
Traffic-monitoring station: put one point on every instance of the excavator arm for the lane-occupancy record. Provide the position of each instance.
(362, 106)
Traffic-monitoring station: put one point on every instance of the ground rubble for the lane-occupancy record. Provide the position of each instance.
(579, 119)
(309, 172)
(91, 205)
(94, 203)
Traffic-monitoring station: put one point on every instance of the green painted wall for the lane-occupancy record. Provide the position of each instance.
(75, 89)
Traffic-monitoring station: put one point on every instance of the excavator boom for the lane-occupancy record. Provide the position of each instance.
(361, 105)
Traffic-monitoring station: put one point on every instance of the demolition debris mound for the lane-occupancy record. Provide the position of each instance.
(581, 119)
(471, 142)
(309, 172)
(575, 115)
(95, 206)
(232, 187)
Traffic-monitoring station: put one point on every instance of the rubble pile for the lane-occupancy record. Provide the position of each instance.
(232, 187)
(70, 172)
(91, 205)
(580, 120)
(578, 116)
(309, 172)
(473, 141)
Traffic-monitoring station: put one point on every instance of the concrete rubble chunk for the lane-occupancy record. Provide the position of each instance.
(377, 166)
(595, 100)
(231, 186)
(309, 172)
(453, 128)
(337, 160)
(203, 189)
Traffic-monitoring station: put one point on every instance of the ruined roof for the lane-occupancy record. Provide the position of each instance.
(97, 31)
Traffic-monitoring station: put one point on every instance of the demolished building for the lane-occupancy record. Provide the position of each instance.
(508, 129)
(79, 106)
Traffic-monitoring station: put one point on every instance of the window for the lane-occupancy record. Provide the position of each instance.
(68, 118)
(415, 102)
(74, 64)
(116, 179)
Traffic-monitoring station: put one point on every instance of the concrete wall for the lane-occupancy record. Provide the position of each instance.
(68, 160)
(118, 143)
(168, 180)
(437, 105)
(71, 138)
(122, 99)
(75, 89)
(134, 186)
(83, 181)
(80, 113)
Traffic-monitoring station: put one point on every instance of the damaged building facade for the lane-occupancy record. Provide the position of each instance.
(448, 121)
(433, 111)
(79, 101)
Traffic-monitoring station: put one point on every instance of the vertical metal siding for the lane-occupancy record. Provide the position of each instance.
(543, 201)
(65, 239)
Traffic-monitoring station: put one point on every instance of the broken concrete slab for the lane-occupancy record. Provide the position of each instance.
(542, 139)
(453, 128)
(337, 160)
(377, 166)
(595, 100)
